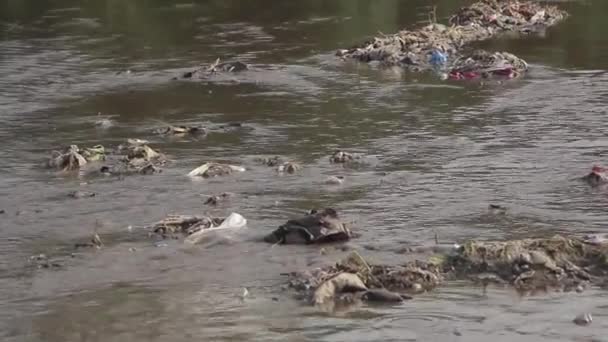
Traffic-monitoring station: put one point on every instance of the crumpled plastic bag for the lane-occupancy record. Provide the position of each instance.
(209, 170)
(231, 222)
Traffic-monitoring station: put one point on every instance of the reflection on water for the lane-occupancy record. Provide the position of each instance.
(436, 155)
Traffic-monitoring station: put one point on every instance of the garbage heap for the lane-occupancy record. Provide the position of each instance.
(445, 46)
(134, 157)
(555, 263)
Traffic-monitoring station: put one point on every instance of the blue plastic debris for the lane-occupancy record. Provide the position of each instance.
(438, 58)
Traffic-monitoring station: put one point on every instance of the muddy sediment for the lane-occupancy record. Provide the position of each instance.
(448, 45)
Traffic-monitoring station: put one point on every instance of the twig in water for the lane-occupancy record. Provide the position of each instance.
(278, 243)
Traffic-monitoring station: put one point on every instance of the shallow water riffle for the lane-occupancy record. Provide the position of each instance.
(434, 153)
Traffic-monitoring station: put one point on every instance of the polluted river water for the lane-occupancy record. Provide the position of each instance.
(437, 153)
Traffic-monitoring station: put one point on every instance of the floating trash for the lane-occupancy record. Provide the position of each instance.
(334, 180)
(289, 167)
(560, 263)
(217, 199)
(216, 67)
(438, 58)
(133, 157)
(447, 45)
(195, 227)
(343, 157)
(315, 227)
(209, 170)
(181, 130)
(598, 175)
(583, 319)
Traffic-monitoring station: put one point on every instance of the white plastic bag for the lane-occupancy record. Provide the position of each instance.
(232, 222)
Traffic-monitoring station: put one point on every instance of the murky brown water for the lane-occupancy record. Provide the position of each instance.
(438, 154)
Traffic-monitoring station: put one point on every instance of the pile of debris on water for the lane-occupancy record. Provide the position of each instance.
(194, 228)
(134, 157)
(216, 67)
(445, 46)
(556, 263)
(315, 227)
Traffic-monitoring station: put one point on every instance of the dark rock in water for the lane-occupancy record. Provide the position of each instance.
(2, 211)
(319, 227)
